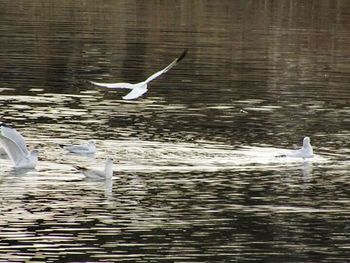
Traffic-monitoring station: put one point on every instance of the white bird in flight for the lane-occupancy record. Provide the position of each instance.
(138, 89)
(88, 148)
(106, 173)
(15, 147)
(305, 152)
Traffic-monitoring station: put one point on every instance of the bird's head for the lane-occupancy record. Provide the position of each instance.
(306, 141)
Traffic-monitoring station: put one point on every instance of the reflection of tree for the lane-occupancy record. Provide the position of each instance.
(134, 67)
(282, 52)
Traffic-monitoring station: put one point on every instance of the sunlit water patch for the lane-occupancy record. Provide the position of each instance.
(151, 156)
(183, 193)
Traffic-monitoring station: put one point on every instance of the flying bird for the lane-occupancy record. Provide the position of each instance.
(15, 147)
(106, 173)
(305, 152)
(88, 148)
(138, 89)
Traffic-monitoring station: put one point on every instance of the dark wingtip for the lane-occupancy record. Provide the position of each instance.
(5, 125)
(182, 55)
(79, 168)
(281, 156)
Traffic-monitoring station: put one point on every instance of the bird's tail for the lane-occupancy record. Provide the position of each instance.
(79, 168)
(281, 156)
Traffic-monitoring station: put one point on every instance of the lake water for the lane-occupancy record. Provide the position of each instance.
(196, 177)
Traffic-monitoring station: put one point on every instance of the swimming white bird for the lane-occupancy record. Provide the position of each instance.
(138, 89)
(305, 152)
(15, 147)
(107, 173)
(88, 148)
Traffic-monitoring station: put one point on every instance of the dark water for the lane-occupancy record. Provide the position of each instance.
(196, 178)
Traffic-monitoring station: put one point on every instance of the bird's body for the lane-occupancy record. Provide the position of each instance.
(15, 146)
(138, 89)
(305, 152)
(106, 173)
(88, 148)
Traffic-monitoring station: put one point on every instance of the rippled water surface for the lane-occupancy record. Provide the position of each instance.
(196, 178)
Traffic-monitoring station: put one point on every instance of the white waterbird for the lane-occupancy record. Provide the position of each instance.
(138, 89)
(15, 147)
(106, 173)
(305, 152)
(88, 148)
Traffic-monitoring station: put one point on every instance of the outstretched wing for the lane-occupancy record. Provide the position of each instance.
(135, 93)
(114, 85)
(172, 64)
(14, 136)
(12, 149)
(2, 151)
